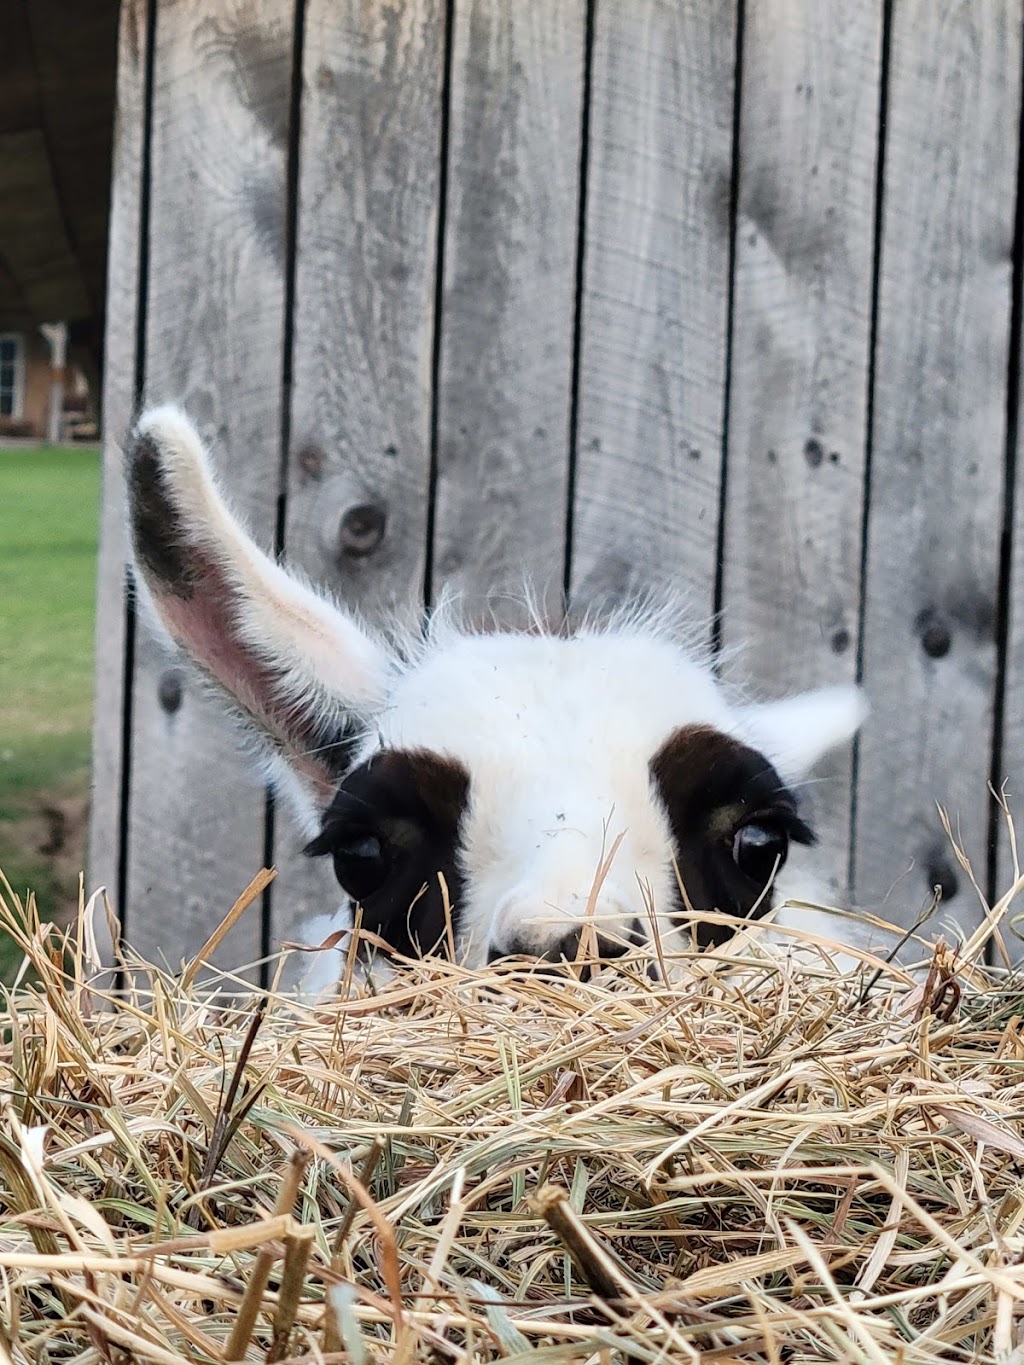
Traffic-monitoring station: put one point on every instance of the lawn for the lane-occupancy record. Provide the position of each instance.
(49, 513)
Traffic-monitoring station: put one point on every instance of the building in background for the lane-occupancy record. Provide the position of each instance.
(43, 394)
(57, 65)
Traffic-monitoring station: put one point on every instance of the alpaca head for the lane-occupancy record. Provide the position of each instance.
(498, 789)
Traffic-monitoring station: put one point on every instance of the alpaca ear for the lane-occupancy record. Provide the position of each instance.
(797, 732)
(290, 661)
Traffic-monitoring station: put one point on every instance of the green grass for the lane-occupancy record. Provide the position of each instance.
(49, 515)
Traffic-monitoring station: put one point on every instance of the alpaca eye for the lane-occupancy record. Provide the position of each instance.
(757, 848)
(361, 865)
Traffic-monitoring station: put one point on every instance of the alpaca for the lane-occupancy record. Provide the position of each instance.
(467, 784)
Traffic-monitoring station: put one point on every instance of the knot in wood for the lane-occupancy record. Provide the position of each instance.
(942, 876)
(311, 461)
(814, 452)
(169, 691)
(361, 529)
(936, 640)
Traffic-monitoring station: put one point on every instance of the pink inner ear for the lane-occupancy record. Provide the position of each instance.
(203, 624)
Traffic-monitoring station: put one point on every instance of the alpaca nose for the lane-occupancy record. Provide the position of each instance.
(563, 948)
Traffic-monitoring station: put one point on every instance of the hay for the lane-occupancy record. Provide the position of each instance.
(762, 1162)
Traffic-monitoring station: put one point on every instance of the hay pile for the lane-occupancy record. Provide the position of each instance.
(761, 1163)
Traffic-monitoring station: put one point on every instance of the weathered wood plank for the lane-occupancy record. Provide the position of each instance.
(359, 472)
(799, 364)
(214, 337)
(1010, 768)
(652, 378)
(119, 381)
(936, 475)
(509, 294)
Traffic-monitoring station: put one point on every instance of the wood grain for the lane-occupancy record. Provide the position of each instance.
(937, 467)
(654, 331)
(1009, 770)
(799, 365)
(651, 406)
(508, 311)
(1010, 773)
(118, 399)
(214, 337)
(359, 469)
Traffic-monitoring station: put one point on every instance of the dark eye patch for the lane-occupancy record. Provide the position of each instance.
(392, 827)
(732, 818)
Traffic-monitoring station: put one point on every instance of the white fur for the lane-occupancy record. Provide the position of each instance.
(557, 732)
(326, 659)
(557, 735)
(795, 732)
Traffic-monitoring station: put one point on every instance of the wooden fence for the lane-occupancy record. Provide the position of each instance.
(722, 293)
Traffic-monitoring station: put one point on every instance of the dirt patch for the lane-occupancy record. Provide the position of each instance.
(43, 848)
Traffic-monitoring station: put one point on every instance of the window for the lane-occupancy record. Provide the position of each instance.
(12, 374)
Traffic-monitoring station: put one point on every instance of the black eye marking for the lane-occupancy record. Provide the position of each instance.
(759, 850)
(732, 820)
(391, 829)
(361, 863)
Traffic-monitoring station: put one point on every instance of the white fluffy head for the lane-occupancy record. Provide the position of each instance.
(504, 788)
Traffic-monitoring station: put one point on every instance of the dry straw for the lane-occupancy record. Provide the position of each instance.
(768, 1160)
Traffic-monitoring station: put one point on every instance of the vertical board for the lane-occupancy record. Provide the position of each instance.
(799, 365)
(214, 337)
(1009, 771)
(118, 398)
(359, 466)
(937, 463)
(655, 301)
(650, 491)
(508, 311)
